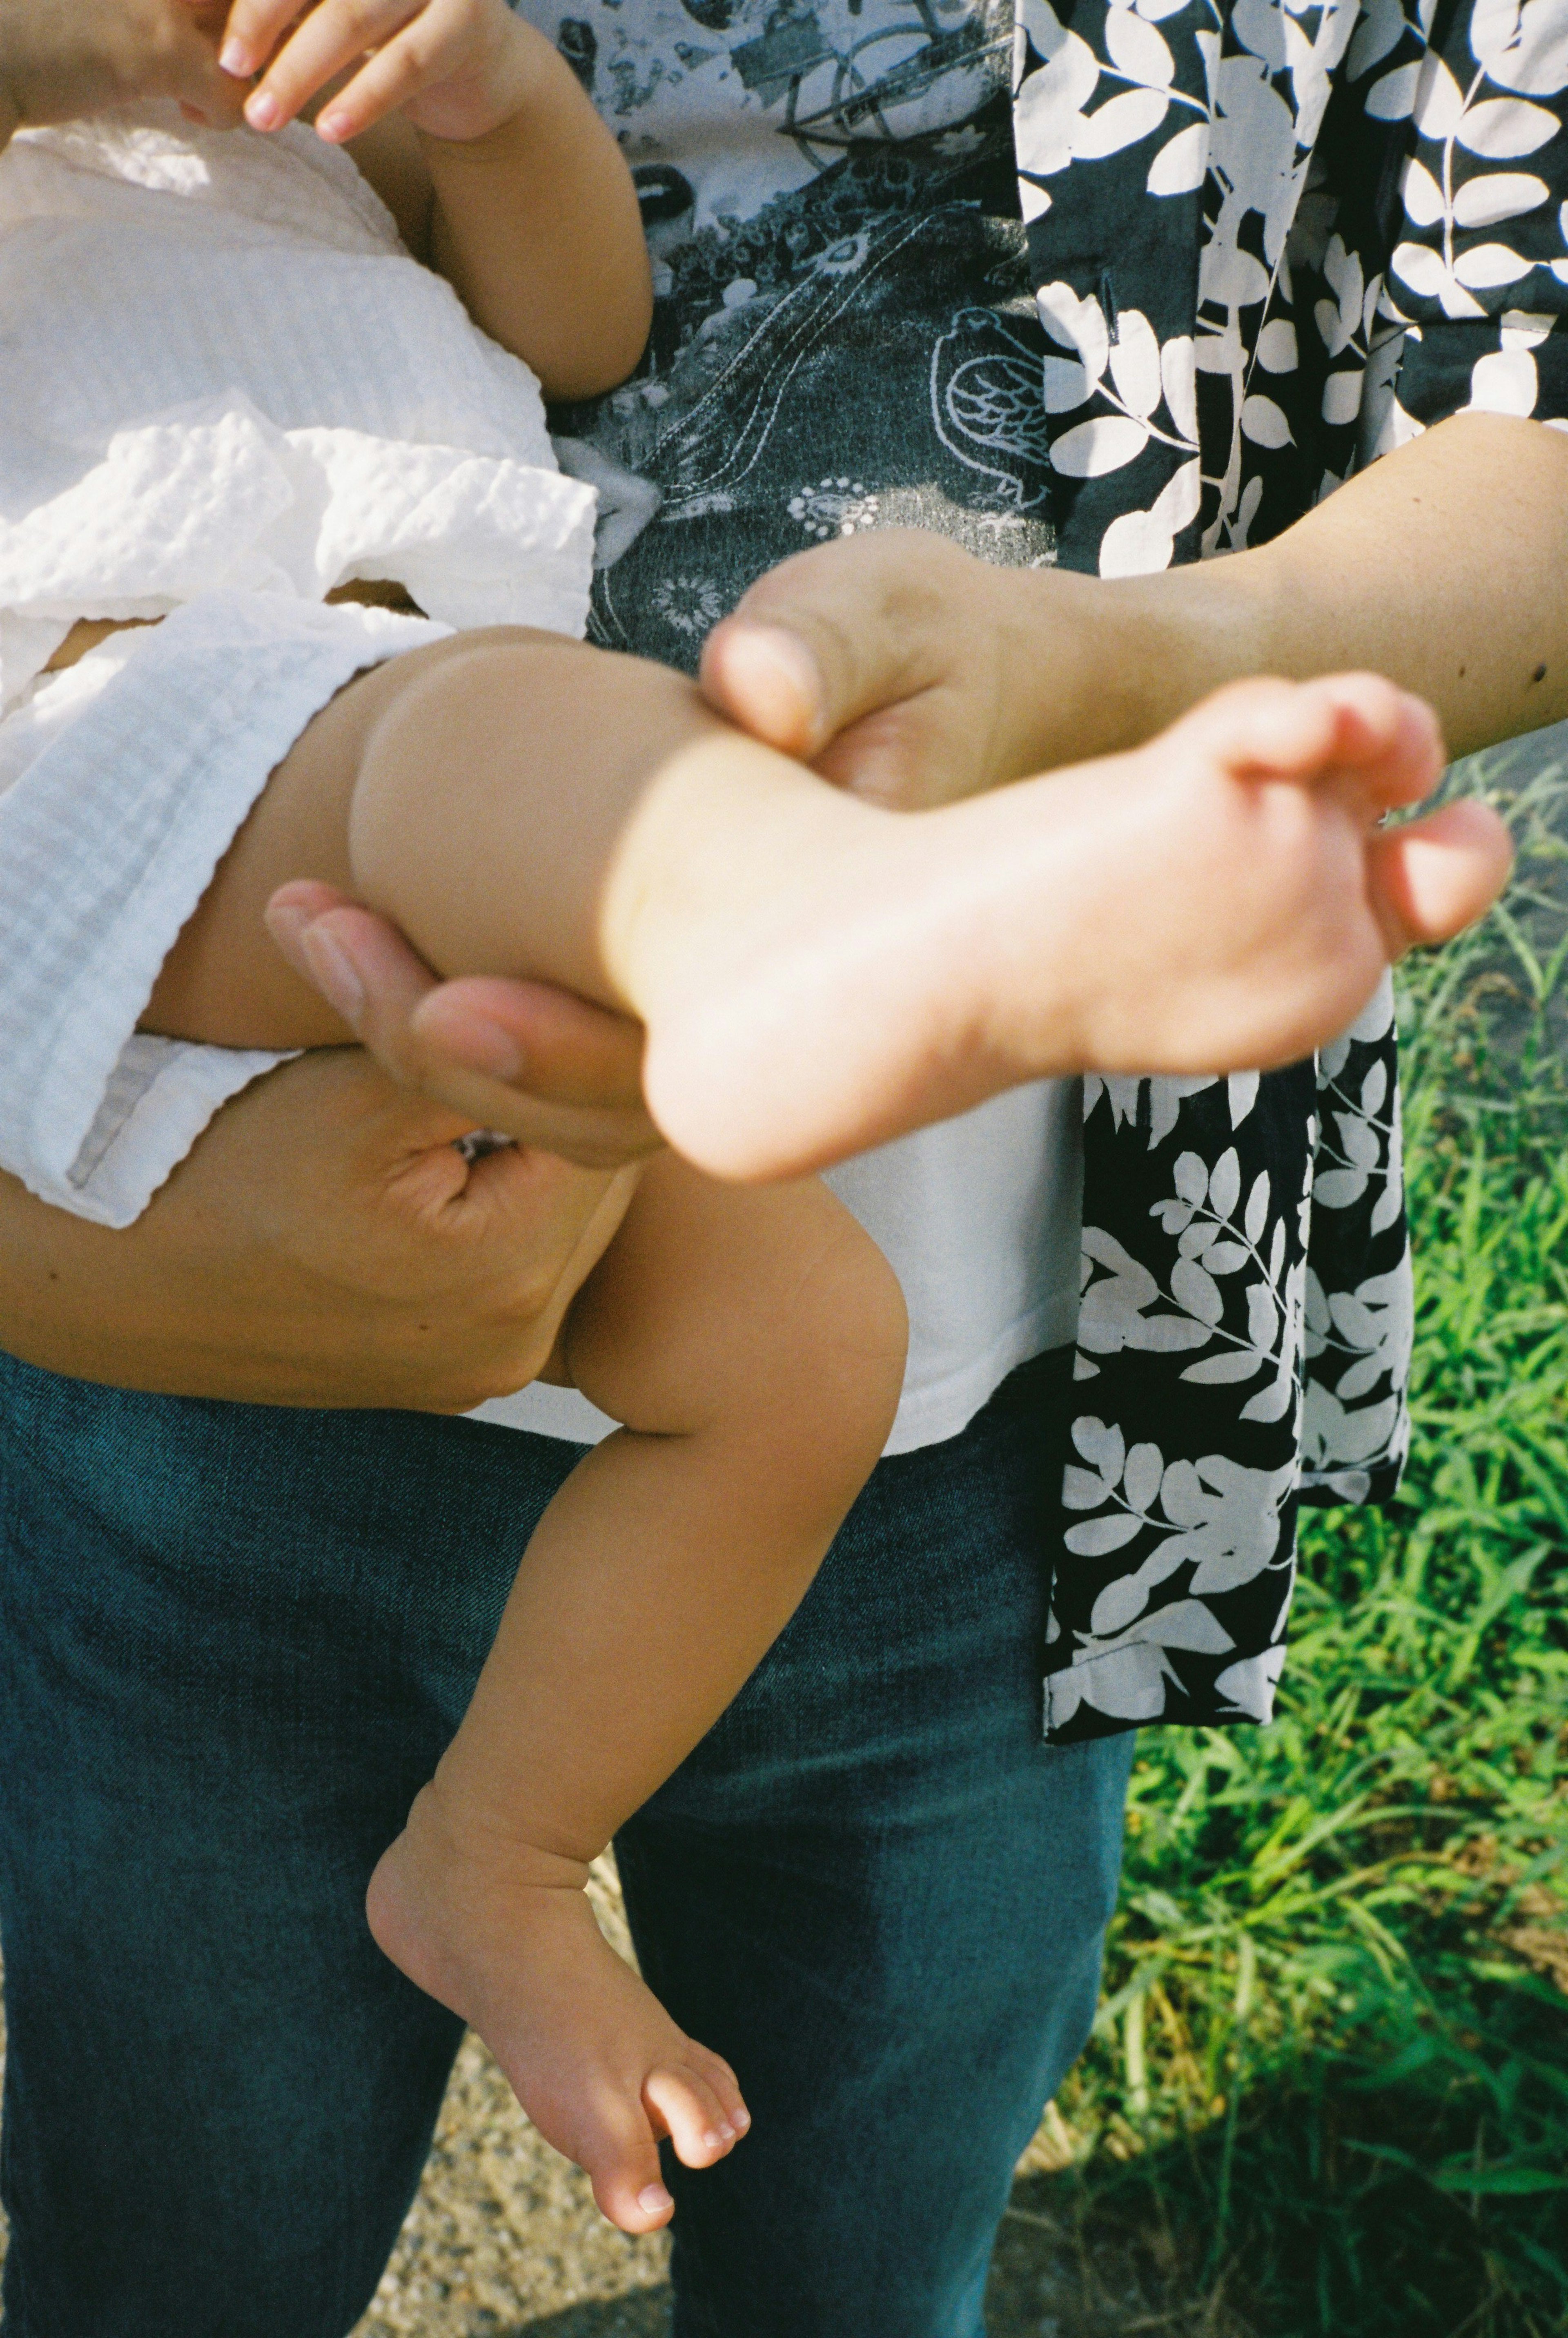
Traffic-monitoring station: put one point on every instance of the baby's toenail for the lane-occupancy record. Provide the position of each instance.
(742, 2121)
(653, 2200)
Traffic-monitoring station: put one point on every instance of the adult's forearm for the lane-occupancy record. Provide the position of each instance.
(324, 1245)
(1441, 566)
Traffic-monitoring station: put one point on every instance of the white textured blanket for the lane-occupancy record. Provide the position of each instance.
(221, 371)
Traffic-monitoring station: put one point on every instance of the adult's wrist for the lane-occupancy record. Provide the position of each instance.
(1439, 566)
(1146, 649)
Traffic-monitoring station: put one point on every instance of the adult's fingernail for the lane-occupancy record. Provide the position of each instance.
(262, 111)
(286, 925)
(653, 2200)
(234, 58)
(779, 686)
(334, 975)
(486, 1047)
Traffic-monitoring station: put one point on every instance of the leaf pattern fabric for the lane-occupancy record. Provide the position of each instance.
(1271, 241)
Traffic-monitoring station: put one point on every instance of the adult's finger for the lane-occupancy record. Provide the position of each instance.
(537, 1063)
(880, 660)
(833, 634)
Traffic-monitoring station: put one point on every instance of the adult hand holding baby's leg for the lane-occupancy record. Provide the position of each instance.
(540, 1066)
(818, 977)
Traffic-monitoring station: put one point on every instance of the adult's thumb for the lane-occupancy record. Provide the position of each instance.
(832, 635)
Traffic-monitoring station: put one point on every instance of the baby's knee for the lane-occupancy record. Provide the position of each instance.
(844, 1341)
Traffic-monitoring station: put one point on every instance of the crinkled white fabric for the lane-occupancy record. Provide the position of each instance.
(123, 782)
(220, 370)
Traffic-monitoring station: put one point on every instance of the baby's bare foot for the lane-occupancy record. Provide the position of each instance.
(1218, 901)
(507, 1939)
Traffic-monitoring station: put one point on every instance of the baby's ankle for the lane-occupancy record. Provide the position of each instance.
(452, 1831)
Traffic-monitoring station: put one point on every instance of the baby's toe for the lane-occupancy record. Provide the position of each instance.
(1261, 725)
(726, 2086)
(696, 2116)
(1354, 727)
(1384, 740)
(623, 2166)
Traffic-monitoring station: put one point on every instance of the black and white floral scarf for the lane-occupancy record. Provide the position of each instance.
(1270, 240)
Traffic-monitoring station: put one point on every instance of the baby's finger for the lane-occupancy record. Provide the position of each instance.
(332, 38)
(253, 30)
(387, 80)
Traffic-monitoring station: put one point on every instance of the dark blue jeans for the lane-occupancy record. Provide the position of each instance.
(234, 1640)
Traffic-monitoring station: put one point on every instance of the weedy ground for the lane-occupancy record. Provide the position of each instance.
(1327, 2092)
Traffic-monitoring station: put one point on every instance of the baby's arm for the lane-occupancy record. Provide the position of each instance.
(491, 155)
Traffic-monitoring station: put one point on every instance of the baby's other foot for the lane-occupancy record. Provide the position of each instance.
(506, 1937)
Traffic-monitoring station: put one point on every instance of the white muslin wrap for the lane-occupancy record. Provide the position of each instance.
(219, 368)
(123, 782)
(225, 388)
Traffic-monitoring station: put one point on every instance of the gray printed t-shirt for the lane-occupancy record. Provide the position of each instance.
(844, 337)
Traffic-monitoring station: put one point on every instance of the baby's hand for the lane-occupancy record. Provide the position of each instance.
(456, 68)
(58, 64)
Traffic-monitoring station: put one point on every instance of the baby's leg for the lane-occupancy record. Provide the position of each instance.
(818, 974)
(754, 1343)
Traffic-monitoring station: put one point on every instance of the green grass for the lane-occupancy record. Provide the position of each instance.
(1328, 2089)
